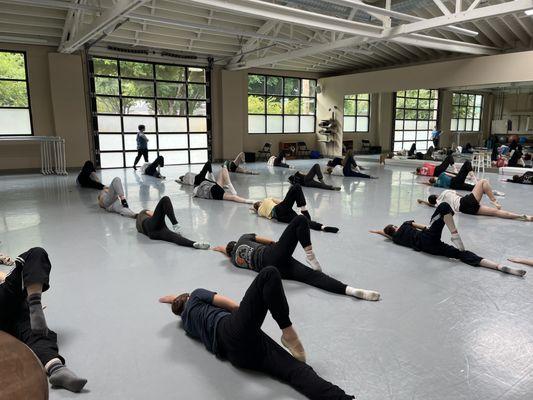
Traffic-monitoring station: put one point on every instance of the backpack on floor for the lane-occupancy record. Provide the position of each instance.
(314, 154)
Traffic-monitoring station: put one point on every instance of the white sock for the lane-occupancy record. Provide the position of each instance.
(312, 261)
(364, 294)
(456, 239)
(201, 245)
(176, 228)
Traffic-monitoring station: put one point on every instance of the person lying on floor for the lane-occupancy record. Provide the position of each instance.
(153, 168)
(428, 239)
(207, 186)
(457, 182)
(255, 253)
(308, 180)
(87, 177)
(112, 199)
(470, 204)
(236, 165)
(349, 168)
(279, 160)
(442, 167)
(233, 332)
(153, 225)
(526, 179)
(282, 211)
(22, 315)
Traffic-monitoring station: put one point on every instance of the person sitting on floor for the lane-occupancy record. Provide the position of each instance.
(87, 177)
(22, 315)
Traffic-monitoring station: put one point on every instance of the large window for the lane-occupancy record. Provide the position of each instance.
(466, 112)
(415, 117)
(171, 101)
(281, 105)
(356, 112)
(14, 98)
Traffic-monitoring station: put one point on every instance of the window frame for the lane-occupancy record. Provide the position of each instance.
(467, 106)
(27, 80)
(395, 108)
(355, 115)
(156, 115)
(283, 96)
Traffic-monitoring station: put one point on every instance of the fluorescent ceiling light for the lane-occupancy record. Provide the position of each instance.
(529, 12)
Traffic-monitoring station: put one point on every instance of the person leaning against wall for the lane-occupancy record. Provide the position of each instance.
(142, 146)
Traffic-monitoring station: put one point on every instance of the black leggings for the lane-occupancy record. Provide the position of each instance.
(156, 228)
(152, 168)
(143, 153)
(31, 267)
(439, 169)
(348, 171)
(241, 340)
(283, 212)
(86, 182)
(458, 182)
(336, 161)
(430, 239)
(200, 177)
(278, 161)
(309, 179)
(280, 255)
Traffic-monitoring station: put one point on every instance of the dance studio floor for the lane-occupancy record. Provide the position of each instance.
(443, 330)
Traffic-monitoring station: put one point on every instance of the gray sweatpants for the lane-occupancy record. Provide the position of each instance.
(111, 202)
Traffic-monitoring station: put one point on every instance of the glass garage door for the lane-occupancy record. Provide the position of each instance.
(171, 101)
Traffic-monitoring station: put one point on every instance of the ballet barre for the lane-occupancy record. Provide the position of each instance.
(53, 157)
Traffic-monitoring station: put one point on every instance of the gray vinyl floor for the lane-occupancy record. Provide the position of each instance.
(443, 330)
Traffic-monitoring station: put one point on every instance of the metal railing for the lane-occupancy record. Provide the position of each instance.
(53, 157)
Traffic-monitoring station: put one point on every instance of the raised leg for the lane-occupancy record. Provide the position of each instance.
(207, 168)
(157, 221)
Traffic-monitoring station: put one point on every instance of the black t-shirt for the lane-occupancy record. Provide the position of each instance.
(407, 235)
(247, 253)
(200, 318)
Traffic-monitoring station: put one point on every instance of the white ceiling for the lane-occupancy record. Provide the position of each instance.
(323, 36)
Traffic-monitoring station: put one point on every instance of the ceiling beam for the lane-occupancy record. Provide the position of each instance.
(57, 4)
(460, 17)
(107, 20)
(387, 12)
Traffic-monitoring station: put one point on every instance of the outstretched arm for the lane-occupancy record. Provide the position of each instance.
(524, 261)
(264, 240)
(225, 302)
(420, 201)
(220, 249)
(380, 232)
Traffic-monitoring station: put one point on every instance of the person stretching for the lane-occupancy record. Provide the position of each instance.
(349, 168)
(272, 208)
(428, 239)
(87, 177)
(454, 182)
(308, 180)
(255, 253)
(153, 225)
(233, 332)
(112, 199)
(153, 168)
(442, 167)
(22, 316)
(235, 166)
(526, 179)
(279, 161)
(209, 187)
(470, 204)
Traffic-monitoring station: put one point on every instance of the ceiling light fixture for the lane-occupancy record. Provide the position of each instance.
(529, 12)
